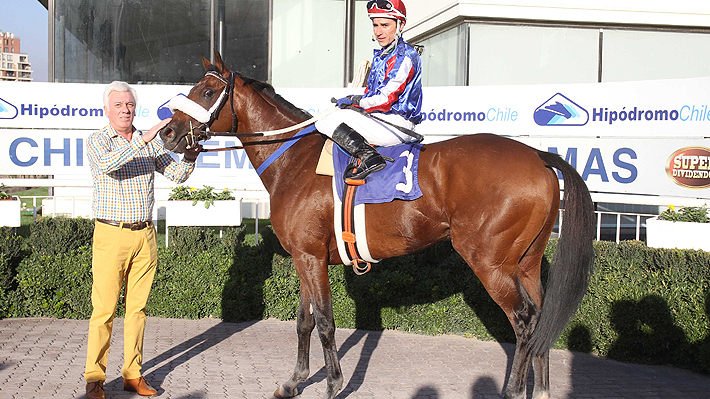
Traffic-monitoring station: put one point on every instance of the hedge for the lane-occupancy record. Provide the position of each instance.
(643, 305)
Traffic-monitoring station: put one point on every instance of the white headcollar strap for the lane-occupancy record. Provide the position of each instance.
(195, 110)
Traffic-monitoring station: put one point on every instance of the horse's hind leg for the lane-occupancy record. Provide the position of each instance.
(523, 317)
(530, 278)
(499, 273)
(304, 327)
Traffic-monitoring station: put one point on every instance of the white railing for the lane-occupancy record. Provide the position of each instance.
(255, 204)
(638, 224)
(79, 206)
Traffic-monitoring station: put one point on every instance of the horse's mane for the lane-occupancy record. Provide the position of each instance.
(268, 90)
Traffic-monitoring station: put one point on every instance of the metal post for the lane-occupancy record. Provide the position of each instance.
(599, 225)
(349, 67)
(256, 224)
(50, 44)
(213, 10)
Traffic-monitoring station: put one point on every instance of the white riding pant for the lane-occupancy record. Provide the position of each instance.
(375, 132)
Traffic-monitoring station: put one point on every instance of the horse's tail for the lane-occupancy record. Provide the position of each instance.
(573, 260)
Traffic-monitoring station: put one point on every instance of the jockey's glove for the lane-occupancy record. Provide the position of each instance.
(351, 100)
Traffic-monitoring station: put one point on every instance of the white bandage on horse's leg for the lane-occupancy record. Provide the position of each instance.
(184, 104)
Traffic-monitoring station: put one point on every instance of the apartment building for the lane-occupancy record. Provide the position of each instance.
(15, 65)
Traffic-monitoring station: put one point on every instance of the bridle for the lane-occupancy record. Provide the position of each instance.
(208, 117)
(204, 129)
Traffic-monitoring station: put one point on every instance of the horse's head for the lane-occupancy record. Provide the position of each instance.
(207, 107)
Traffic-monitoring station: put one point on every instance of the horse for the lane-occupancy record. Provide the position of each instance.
(495, 198)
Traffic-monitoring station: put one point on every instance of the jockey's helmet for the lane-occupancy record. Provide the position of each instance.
(393, 9)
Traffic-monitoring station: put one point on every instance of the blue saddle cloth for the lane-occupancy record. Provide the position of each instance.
(398, 180)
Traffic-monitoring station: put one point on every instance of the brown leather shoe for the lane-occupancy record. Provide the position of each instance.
(140, 386)
(95, 390)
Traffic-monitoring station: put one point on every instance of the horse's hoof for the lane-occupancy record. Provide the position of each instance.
(282, 392)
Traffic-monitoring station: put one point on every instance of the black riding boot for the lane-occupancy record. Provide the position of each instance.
(356, 145)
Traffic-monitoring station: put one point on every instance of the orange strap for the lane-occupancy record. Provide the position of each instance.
(360, 266)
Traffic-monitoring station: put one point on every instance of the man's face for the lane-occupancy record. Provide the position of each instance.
(121, 110)
(385, 30)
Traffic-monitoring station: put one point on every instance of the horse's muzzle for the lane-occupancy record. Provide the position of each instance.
(171, 141)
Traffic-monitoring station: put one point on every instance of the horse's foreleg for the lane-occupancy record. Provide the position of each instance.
(304, 326)
(326, 331)
(314, 281)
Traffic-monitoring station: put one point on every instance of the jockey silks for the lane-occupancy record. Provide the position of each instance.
(394, 85)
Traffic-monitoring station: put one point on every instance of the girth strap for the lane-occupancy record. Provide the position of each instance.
(360, 266)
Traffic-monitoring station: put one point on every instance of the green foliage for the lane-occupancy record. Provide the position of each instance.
(191, 240)
(10, 255)
(643, 305)
(190, 285)
(647, 305)
(686, 214)
(3, 193)
(53, 286)
(205, 194)
(59, 235)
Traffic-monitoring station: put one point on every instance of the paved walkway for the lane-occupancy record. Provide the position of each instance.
(200, 359)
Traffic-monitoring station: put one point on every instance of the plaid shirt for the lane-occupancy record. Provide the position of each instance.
(124, 174)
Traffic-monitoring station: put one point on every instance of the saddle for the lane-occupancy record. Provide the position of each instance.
(399, 180)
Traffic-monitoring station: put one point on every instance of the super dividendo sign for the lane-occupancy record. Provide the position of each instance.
(689, 167)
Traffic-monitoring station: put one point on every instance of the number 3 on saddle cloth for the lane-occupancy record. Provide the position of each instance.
(398, 180)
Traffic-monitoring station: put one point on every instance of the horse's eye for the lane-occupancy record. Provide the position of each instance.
(208, 93)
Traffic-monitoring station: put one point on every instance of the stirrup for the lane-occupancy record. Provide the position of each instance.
(359, 173)
(361, 267)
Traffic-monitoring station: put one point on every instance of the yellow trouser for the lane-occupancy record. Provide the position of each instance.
(119, 255)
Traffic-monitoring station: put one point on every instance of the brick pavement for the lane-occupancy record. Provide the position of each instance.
(201, 359)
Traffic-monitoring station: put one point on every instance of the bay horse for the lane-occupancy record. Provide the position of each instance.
(495, 198)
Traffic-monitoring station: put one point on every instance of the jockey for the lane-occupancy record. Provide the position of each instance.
(393, 94)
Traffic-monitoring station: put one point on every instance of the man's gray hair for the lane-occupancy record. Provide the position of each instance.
(118, 86)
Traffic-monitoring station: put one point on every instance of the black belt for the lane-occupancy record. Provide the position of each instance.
(125, 225)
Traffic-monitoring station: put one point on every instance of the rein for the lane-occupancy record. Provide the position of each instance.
(267, 133)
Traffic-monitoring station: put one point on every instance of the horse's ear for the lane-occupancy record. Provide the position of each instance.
(218, 62)
(206, 63)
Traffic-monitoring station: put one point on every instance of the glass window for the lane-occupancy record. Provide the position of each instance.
(137, 41)
(643, 55)
(242, 36)
(308, 43)
(444, 58)
(507, 54)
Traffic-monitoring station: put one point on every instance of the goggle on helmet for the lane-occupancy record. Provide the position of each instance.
(393, 9)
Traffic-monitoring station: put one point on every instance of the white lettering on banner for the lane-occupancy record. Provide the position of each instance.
(408, 184)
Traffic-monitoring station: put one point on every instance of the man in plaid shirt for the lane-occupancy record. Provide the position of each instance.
(123, 164)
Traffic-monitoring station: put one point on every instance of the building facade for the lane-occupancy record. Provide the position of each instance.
(317, 43)
(15, 65)
(552, 41)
